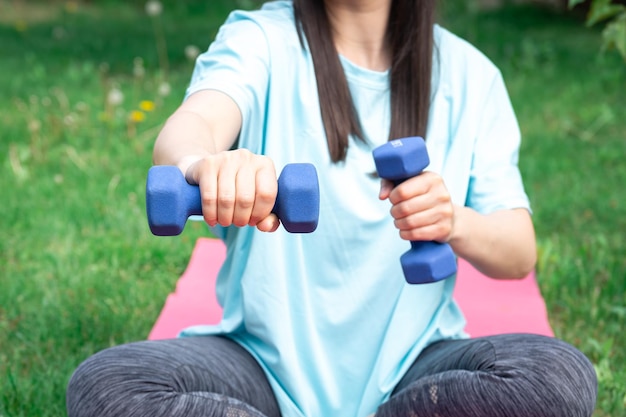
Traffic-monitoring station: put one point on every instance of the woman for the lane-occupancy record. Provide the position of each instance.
(324, 324)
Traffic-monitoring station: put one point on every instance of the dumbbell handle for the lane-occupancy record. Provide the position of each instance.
(170, 200)
(397, 161)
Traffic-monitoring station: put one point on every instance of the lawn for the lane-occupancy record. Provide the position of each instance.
(85, 89)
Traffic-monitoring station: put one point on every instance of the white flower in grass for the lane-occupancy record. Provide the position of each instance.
(138, 69)
(115, 97)
(154, 8)
(192, 52)
(82, 107)
(164, 89)
(70, 120)
(34, 126)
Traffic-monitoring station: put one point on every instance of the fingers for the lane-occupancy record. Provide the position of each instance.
(266, 191)
(422, 208)
(429, 225)
(237, 188)
(224, 205)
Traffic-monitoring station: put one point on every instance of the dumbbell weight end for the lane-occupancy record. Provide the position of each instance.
(170, 200)
(428, 262)
(297, 203)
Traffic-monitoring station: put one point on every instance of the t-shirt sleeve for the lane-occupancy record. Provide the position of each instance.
(495, 179)
(236, 63)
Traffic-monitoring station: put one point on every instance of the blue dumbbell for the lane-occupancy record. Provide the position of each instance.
(398, 160)
(170, 200)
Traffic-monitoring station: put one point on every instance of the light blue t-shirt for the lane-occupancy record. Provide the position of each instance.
(329, 315)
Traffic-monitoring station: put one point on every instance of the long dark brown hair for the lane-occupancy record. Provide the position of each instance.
(410, 36)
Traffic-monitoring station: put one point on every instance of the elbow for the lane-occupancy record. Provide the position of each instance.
(528, 263)
(531, 264)
(521, 269)
(525, 260)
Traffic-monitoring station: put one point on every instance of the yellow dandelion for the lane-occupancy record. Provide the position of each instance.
(21, 25)
(137, 116)
(147, 105)
(71, 6)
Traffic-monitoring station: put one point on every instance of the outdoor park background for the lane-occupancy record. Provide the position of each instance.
(84, 89)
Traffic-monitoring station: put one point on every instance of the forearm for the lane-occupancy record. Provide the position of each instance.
(173, 147)
(500, 244)
(207, 123)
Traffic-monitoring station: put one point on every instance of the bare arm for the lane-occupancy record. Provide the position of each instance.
(237, 187)
(206, 123)
(500, 244)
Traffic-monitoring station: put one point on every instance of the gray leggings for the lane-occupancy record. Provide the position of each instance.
(515, 375)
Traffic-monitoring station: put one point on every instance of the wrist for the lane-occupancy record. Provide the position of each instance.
(185, 163)
(463, 220)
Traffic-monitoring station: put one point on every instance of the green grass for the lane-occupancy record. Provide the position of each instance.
(79, 270)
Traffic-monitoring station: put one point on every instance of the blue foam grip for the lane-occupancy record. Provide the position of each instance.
(398, 160)
(170, 200)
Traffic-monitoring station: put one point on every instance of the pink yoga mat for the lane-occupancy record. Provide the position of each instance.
(490, 306)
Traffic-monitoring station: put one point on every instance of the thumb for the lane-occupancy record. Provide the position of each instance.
(386, 187)
(269, 224)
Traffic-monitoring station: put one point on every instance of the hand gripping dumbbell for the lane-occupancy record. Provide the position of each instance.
(170, 200)
(398, 160)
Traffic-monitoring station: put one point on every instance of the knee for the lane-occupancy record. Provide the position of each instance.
(79, 385)
(86, 385)
(561, 372)
(99, 382)
(576, 376)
